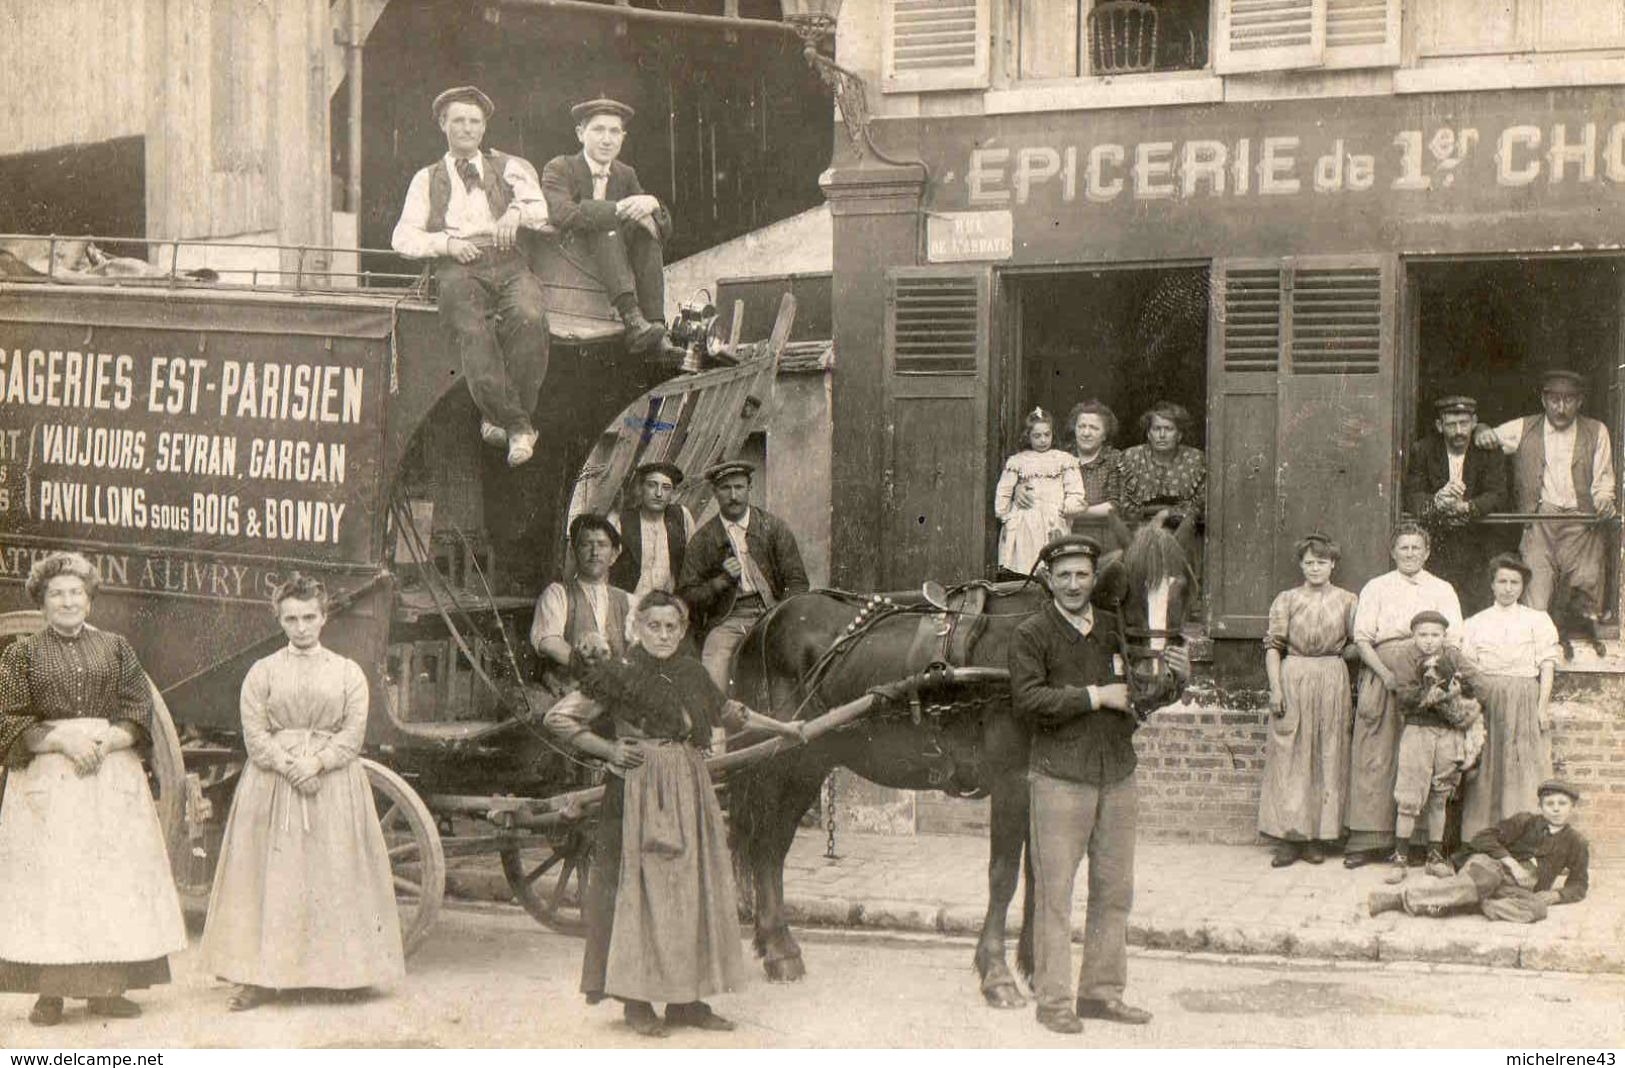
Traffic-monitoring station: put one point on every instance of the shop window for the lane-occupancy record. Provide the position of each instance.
(1486, 27)
(1489, 328)
(1096, 38)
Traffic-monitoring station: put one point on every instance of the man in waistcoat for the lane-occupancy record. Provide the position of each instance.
(1448, 485)
(1562, 466)
(654, 537)
(736, 567)
(599, 205)
(585, 616)
(1068, 683)
(464, 212)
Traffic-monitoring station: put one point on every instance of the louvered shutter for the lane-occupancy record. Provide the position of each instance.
(1336, 441)
(1245, 343)
(936, 44)
(1362, 33)
(937, 493)
(1257, 35)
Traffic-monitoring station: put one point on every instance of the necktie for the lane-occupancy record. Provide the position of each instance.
(600, 184)
(469, 173)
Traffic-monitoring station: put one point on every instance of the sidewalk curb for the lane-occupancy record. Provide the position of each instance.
(1383, 940)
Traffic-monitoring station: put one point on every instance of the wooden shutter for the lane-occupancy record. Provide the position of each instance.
(938, 498)
(1362, 33)
(1300, 433)
(1256, 35)
(1244, 358)
(1336, 421)
(936, 44)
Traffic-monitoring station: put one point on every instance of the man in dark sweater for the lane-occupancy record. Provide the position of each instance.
(1067, 681)
(1507, 871)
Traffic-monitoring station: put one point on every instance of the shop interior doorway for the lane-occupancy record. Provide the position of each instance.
(1128, 337)
(1490, 327)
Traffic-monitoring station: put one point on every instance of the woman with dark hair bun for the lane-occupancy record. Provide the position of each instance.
(90, 906)
(1163, 473)
(303, 894)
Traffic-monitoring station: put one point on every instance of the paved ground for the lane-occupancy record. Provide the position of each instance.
(1224, 899)
(491, 977)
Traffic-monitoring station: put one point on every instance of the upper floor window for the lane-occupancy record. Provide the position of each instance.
(1486, 27)
(1092, 38)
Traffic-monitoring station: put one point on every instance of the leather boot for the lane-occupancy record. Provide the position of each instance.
(641, 334)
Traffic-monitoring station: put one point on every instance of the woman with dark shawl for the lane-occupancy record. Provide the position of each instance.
(91, 908)
(661, 909)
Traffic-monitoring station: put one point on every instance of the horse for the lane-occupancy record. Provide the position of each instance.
(816, 650)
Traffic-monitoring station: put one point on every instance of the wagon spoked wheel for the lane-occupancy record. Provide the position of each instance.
(167, 763)
(550, 879)
(416, 858)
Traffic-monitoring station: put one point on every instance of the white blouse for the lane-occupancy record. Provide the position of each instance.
(1512, 641)
(1388, 602)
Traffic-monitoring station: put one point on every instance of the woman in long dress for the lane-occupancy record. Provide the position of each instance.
(669, 931)
(1381, 622)
(90, 906)
(1311, 630)
(1516, 648)
(303, 894)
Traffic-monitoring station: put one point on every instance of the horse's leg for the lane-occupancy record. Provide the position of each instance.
(1007, 836)
(781, 955)
(1029, 901)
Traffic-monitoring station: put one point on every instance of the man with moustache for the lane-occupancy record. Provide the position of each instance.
(736, 567)
(655, 535)
(464, 212)
(1448, 486)
(1562, 466)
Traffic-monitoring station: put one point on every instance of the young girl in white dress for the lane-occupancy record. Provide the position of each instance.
(1039, 492)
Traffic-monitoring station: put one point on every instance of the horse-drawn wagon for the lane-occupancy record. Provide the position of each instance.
(201, 434)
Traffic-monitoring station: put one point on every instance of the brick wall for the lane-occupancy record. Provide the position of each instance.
(1201, 766)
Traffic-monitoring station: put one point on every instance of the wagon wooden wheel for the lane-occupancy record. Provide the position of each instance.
(167, 763)
(416, 857)
(549, 878)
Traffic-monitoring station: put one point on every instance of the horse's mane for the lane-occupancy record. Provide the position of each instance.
(1154, 554)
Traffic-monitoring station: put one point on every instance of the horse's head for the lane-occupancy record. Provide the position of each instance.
(1149, 585)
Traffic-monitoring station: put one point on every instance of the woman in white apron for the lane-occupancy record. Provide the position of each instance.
(91, 908)
(303, 895)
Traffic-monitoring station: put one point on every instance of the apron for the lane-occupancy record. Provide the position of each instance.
(84, 871)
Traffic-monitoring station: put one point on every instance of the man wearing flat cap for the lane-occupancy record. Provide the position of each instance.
(1448, 486)
(655, 539)
(1562, 466)
(738, 565)
(1068, 683)
(464, 212)
(586, 618)
(1509, 871)
(597, 201)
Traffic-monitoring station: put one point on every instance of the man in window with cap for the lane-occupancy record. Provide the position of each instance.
(1448, 486)
(586, 617)
(654, 540)
(1562, 466)
(464, 212)
(737, 566)
(1508, 871)
(1067, 682)
(597, 201)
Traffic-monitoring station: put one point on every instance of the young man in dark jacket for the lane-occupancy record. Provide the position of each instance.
(1507, 871)
(736, 567)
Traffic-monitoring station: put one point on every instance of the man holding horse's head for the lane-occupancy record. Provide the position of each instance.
(1068, 682)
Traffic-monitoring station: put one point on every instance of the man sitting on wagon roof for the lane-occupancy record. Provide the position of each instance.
(464, 211)
(597, 201)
